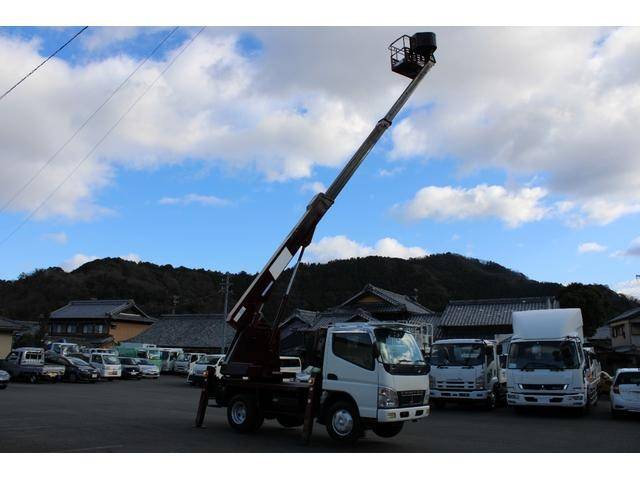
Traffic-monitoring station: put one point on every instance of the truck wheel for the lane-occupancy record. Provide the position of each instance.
(289, 422)
(343, 423)
(388, 430)
(33, 378)
(243, 414)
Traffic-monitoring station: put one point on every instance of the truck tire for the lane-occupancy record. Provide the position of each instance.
(343, 423)
(243, 414)
(33, 378)
(289, 422)
(388, 430)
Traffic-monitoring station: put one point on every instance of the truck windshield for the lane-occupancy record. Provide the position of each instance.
(628, 378)
(208, 360)
(110, 360)
(542, 355)
(457, 354)
(398, 346)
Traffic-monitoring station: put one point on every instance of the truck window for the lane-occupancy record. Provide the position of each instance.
(32, 356)
(544, 355)
(457, 354)
(355, 348)
(13, 356)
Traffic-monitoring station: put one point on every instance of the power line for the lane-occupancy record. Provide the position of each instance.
(95, 112)
(43, 62)
(95, 147)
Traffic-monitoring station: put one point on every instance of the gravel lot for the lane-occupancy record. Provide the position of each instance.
(157, 416)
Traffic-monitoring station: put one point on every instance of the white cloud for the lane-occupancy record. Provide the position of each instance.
(342, 247)
(57, 237)
(80, 259)
(99, 38)
(236, 121)
(569, 112)
(389, 172)
(632, 251)
(313, 187)
(132, 257)
(76, 261)
(591, 247)
(191, 198)
(630, 288)
(514, 208)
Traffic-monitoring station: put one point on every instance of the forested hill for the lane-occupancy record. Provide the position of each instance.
(435, 279)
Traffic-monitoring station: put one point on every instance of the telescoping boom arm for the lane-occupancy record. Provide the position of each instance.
(410, 56)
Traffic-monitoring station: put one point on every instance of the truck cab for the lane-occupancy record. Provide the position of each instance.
(64, 348)
(379, 370)
(547, 364)
(372, 376)
(466, 370)
(29, 363)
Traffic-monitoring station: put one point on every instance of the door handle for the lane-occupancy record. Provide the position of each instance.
(332, 376)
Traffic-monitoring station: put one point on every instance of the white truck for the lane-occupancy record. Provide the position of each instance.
(466, 370)
(547, 364)
(373, 376)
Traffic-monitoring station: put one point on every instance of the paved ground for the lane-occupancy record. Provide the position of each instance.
(157, 416)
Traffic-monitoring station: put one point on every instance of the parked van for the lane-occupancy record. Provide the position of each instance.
(185, 360)
(108, 366)
(168, 357)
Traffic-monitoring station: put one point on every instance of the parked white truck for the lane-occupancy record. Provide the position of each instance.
(547, 364)
(466, 370)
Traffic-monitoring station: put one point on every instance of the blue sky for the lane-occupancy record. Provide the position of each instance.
(220, 158)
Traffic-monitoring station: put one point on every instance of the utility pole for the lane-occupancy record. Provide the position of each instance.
(174, 303)
(226, 289)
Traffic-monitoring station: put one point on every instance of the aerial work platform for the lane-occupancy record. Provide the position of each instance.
(409, 54)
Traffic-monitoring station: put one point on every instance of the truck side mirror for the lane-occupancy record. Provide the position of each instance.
(503, 361)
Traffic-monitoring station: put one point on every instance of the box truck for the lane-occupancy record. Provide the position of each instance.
(547, 364)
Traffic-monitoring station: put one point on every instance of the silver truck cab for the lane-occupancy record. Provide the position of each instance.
(466, 370)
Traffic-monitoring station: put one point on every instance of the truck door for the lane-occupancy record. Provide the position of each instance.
(350, 367)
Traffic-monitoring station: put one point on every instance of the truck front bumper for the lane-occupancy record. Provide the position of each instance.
(537, 400)
(386, 415)
(459, 394)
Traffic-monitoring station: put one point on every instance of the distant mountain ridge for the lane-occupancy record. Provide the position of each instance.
(433, 279)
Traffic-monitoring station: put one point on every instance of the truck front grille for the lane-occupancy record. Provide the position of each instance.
(454, 385)
(411, 398)
(543, 386)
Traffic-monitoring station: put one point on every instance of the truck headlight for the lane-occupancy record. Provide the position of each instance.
(387, 398)
(480, 381)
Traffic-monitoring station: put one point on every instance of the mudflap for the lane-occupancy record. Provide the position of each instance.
(204, 398)
(313, 403)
